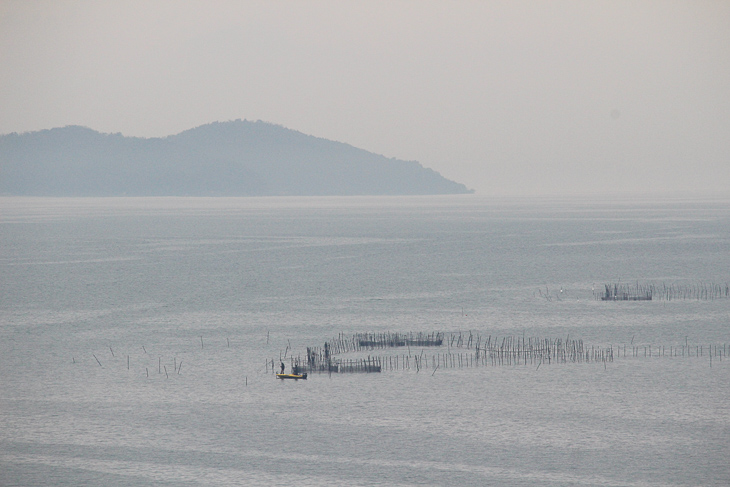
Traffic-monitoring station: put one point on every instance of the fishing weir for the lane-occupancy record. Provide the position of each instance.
(380, 352)
(649, 291)
(622, 292)
(461, 351)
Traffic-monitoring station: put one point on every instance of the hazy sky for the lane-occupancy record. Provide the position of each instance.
(508, 97)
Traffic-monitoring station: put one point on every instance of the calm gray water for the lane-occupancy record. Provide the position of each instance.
(182, 302)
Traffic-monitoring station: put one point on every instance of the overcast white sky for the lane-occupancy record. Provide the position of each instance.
(509, 97)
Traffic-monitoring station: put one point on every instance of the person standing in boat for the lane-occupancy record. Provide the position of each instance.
(282, 367)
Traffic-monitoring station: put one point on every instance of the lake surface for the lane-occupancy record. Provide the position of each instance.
(137, 335)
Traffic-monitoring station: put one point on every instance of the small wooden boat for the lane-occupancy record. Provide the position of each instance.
(292, 376)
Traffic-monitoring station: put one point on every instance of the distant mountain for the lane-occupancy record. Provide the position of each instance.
(238, 158)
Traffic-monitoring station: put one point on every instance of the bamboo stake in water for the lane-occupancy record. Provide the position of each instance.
(710, 356)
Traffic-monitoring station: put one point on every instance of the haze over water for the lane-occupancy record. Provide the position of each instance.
(135, 333)
(511, 98)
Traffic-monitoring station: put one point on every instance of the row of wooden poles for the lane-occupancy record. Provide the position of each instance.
(710, 351)
(369, 341)
(509, 350)
(423, 360)
(649, 291)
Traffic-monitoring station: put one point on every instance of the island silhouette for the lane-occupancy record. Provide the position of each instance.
(234, 158)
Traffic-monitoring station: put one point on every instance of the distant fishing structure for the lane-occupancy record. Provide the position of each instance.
(470, 350)
(461, 351)
(649, 291)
